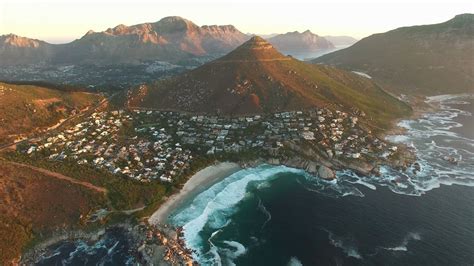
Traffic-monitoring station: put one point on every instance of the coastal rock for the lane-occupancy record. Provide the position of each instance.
(274, 161)
(312, 167)
(326, 173)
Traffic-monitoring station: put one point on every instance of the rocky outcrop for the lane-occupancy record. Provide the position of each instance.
(311, 167)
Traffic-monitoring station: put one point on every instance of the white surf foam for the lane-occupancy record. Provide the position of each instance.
(412, 236)
(239, 249)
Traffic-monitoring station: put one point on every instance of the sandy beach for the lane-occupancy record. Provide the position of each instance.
(197, 183)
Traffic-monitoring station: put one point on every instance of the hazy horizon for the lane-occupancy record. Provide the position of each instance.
(57, 22)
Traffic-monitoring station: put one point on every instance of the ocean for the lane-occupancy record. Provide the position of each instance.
(275, 215)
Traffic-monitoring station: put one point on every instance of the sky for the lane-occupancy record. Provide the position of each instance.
(59, 21)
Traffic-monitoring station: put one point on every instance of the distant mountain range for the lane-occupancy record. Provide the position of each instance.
(172, 39)
(419, 60)
(256, 78)
(16, 50)
(296, 42)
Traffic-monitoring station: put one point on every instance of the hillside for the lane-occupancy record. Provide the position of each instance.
(169, 39)
(27, 108)
(256, 78)
(296, 42)
(33, 203)
(419, 60)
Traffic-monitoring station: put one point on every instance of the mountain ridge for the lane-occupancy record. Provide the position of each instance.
(169, 39)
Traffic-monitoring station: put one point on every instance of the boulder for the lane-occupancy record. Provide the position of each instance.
(326, 173)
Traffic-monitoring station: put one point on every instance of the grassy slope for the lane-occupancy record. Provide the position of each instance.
(24, 108)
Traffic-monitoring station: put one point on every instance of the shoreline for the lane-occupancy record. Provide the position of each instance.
(198, 182)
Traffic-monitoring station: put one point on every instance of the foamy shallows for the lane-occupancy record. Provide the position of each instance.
(444, 157)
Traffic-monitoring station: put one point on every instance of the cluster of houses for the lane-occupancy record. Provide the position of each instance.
(335, 132)
(102, 141)
(149, 145)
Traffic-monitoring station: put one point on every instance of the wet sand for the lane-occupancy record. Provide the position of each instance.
(196, 184)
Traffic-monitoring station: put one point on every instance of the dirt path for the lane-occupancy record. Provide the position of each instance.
(62, 177)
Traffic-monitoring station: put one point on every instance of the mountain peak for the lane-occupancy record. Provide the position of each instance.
(254, 50)
(257, 42)
(173, 19)
(176, 20)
